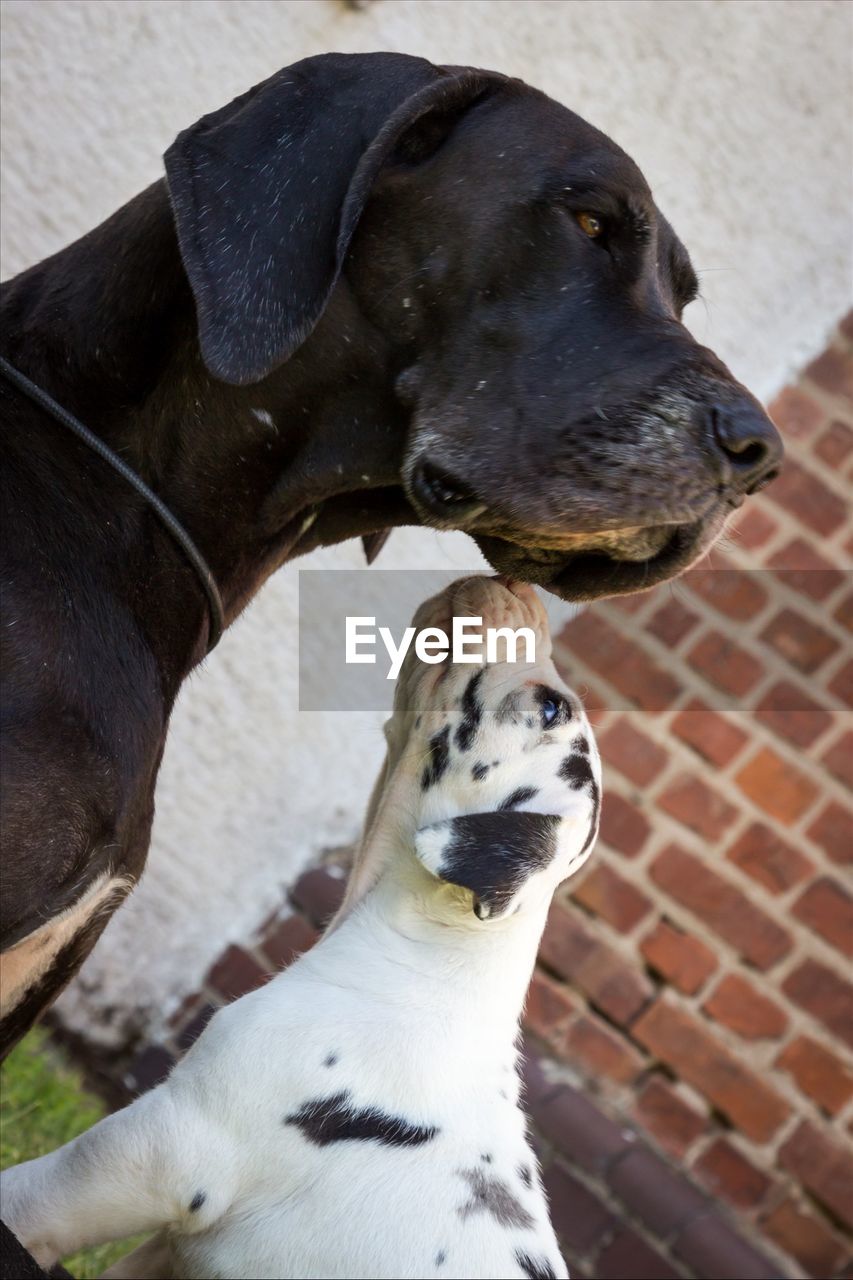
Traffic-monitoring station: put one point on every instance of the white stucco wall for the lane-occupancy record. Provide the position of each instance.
(739, 113)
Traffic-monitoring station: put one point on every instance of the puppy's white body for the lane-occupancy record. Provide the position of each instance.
(358, 1116)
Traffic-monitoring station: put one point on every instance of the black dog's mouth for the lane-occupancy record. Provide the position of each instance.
(573, 575)
(584, 575)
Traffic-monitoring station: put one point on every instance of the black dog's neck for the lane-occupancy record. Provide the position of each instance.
(307, 457)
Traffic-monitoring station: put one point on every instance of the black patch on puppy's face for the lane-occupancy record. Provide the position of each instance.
(335, 1119)
(197, 1201)
(520, 796)
(493, 854)
(577, 771)
(472, 712)
(439, 756)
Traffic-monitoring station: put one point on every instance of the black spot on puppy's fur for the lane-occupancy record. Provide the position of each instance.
(335, 1119)
(577, 771)
(492, 854)
(440, 1258)
(197, 1201)
(524, 1172)
(490, 1195)
(581, 744)
(439, 755)
(472, 712)
(520, 796)
(535, 1268)
(330, 1060)
(479, 771)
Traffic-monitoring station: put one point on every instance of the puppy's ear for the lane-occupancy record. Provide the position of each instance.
(267, 192)
(492, 854)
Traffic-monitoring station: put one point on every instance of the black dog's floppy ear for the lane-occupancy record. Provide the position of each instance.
(267, 192)
(492, 854)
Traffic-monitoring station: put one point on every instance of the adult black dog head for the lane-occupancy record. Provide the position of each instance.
(523, 295)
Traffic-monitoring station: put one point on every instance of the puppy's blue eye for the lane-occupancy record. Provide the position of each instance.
(550, 711)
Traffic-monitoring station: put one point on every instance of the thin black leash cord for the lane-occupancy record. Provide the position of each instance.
(175, 528)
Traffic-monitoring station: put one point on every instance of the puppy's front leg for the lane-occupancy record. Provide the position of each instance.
(135, 1171)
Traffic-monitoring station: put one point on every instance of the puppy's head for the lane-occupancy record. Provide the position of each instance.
(497, 774)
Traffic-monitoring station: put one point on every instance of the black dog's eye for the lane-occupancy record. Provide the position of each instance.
(590, 225)
(550, 711)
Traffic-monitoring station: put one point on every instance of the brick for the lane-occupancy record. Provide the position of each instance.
(689, 1049)
(790, 713)
(549, 1007)
(804, 495)
(832, 830)
(826, 908)
(753, 527)
(658, 1197)
(601, 1052)
(845, 326)
(628, 1257)
(736, 1004)
(768, 859)
(823, 1166)
(735, 593)
(835, 444)
(609, 982)
(575, 1126)
(824, 995)
(725, 664)
(712, 1250)
(696, 805)
(148, 1069)
(799, 641)
(730, 1176)
(671, 623)
(776, 786)
(844, 612)
(721, 906)
(712, 736)
(796, 414)
(318, 894)
(235, 974)
(287, 940)
(684, 961)
(804, 570)
(633, 753)
(668, 1118)
(578, 1217)
(607, 894)
(818, 1072)
(842, 684)
(623, 826)
(620, 661)
(804, 1237)
(839, 760)
(833, 371)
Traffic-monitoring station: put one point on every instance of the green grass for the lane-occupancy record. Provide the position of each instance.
(43, 1103)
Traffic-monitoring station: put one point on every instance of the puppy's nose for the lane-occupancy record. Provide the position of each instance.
(443, 495)
(750, 442)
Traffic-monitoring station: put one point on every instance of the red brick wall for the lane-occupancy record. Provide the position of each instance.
(697, 976)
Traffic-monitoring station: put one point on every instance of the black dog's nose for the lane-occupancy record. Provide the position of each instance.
(750, 442)
(443, 495)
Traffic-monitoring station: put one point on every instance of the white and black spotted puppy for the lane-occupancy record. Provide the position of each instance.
(359, 1116)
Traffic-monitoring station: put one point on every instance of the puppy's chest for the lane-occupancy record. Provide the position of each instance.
(364, 1187)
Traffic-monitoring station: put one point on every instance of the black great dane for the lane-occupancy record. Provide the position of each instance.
(369, 292)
